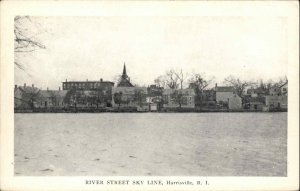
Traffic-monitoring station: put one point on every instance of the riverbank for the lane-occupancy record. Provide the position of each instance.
(135, 110)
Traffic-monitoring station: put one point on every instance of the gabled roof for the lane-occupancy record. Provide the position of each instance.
(224, 89)
(257, 91)
(28, 89)
(125, 83)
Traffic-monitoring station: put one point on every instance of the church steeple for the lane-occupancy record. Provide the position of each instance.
(124, 70)
(124, 81)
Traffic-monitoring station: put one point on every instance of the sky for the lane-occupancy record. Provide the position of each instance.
(81, 48)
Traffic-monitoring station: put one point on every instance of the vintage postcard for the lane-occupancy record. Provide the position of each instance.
(111, 95)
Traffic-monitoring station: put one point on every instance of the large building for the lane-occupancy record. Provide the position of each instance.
(87, 85)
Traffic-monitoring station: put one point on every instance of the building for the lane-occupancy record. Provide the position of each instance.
(124, 80)
(257, 92)
(129, 97)
(274, 91)
(87, 85)
(278, 98)
(154, 97)
(25, 96)
(223, 93)
(255, 103)
(277, 101)
(174, 98)
(284, 88)
(51, 99)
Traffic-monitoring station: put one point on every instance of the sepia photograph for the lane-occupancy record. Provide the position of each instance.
(143, 96)
(153, 95)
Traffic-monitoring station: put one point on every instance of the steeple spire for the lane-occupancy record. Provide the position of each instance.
(125, 81)
(124, 70)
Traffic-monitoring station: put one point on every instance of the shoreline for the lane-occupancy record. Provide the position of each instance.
(125, 110)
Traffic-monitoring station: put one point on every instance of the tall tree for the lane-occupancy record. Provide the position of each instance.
(238, 84)
(160, 81)
(181, 77)
(139, 97)
(199, 83)
(177, 96)
(118, 98)
(169, 80)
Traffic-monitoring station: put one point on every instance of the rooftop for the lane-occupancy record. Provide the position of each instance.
(88, 82)
(224, 89)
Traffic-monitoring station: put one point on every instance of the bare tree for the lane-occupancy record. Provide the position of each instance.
(180, 76)
(160, 81)
(264, 85)
(169, 80)
(25, 39)
(238, 84)
(199, 83)
(177, 97)
(282, 80)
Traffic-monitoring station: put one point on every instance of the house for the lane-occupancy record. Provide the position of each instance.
(254, 103)
(275, 91)
(257, 92)
(256, 106)
(284, 88)
(184, 98)
(223, 93)
(25, 96)
(129, 96)
(51, 98)
(235, 102)
(154, 97)
(278, 98)
(277, 102)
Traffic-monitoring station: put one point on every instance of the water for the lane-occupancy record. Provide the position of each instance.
(151, 144)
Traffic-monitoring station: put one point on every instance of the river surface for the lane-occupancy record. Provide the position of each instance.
(151, 144)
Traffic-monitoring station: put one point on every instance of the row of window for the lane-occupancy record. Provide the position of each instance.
(81, 85)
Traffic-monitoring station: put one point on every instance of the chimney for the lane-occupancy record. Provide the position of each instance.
(47, 89)
(101, 80)
(216, 85)
(33, 85)
(87, 80)
(24, 85)
(16, 86)
(58, 88)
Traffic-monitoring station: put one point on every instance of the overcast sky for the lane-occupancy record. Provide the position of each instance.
(80, 48)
